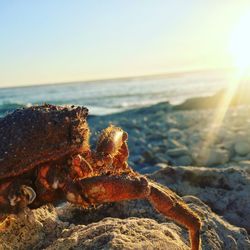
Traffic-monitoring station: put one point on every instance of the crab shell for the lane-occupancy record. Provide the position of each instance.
(32, 136)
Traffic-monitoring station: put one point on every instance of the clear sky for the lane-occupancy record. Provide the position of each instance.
(58, 41)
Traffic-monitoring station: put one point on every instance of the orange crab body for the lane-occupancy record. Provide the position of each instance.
(51, 161)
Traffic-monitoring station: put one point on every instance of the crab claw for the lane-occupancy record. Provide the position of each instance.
(29, 193)
(25, 196)
(112, 151)
(111, 140)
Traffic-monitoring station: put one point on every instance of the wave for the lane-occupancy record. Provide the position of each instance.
(8, 107)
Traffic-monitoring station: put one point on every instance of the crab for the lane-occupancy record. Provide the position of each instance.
(45, 157)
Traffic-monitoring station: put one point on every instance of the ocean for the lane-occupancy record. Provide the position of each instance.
(110, 96)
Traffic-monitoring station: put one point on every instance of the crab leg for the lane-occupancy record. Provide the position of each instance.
(169, 204)
(102, 189)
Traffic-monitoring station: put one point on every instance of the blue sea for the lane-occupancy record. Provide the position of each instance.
(110, 96)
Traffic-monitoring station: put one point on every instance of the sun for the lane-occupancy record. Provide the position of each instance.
(239, 44)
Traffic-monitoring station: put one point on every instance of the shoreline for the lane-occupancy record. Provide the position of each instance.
(206, 101)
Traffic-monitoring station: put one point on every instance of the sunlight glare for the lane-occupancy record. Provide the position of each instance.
(239, 45)
(217, 119)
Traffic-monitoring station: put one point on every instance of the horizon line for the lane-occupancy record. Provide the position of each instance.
(121, 78)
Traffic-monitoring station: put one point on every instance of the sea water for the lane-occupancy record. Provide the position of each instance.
(109, 96)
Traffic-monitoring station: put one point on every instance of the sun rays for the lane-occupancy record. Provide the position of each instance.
(239, 48)
(217, 119)
(239, 44)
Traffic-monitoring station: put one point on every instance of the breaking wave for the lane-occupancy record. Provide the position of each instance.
(8, 107)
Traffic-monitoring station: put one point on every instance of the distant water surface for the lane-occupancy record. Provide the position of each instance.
(109, 96)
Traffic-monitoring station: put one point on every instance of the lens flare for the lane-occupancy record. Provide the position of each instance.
(239, 45)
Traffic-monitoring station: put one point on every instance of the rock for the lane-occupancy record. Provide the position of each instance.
(67, 228)
(244, 164)
(224, 134)
(162, 158)
(238, 158)
(175, 134)
(40, 229)
(229, 145)
(194, 138)
(171, 122)
(242, 148)
(140, 233)
(184, 121)
(137, 159)
(175, 152)
(113, 233)
(172, 144)
(148, 157)
(217, 233)
(240, 97)
(149, 169)
(156, 136)
(184, 160)
(225, 190)
(210, 157)
(201, 102)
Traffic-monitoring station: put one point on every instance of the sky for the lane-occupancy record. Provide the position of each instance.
(62, 41)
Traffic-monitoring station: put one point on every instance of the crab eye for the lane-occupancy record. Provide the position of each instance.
(29, 193)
